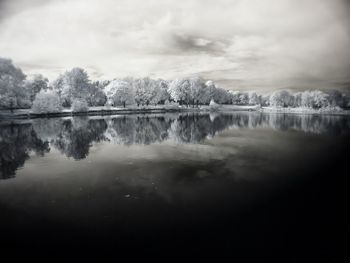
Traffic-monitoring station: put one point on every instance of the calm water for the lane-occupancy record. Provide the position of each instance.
(190, 181)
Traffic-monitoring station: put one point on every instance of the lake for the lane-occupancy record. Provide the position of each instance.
(242, 181)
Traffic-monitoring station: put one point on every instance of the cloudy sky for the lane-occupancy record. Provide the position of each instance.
(258, 45)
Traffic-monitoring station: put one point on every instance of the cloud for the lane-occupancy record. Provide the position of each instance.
(256, 44)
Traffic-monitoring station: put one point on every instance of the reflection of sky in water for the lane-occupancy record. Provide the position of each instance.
(89, 166)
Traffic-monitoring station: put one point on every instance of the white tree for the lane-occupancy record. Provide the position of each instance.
(80, 105)
(164, 95)
(120, 92)
(264, 100)
(179, 90)
(281, 98)
(13, 93)
(72, 84)
(314, 99)
(204, 93)
(46, 102)
(37, 83)
(158, 91)
(58, 84)
(211, 89)
(297, 99)
(253, 98)
(320, 99)
(222, 96)
(243, 98)
(196, 90)
(143, 90)
(97, 97)
(234, 97)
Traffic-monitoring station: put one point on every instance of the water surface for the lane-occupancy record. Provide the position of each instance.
(150, 181)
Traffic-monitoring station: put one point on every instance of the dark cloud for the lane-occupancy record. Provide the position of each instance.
(12, 7)
(182, 43)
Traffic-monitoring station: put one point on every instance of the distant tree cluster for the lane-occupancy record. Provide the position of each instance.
(74, 89)
(310, 99)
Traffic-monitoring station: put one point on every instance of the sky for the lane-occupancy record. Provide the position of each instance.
(239, 44)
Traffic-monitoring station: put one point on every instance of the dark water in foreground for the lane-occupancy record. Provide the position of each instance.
(226, 184)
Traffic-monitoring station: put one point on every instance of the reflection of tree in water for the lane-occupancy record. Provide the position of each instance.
(310, 123)
(76, 136)
(48, 129)
(122, 130)
(249, 120)
(194, 128)
(16, 142)
(151, 130)
(190, 128)
(318, 124)
(139, 130)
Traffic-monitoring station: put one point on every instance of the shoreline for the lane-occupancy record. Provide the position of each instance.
(307, 111)
(106, 111)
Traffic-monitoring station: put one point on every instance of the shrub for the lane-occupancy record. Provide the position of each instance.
(213, 105)
(46, 102)
(80, 105)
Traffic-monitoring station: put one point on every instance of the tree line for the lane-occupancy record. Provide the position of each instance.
(74, 89)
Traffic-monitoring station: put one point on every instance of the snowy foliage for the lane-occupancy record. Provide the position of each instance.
(239, 98)
(164, 94)
(189, 91)
(80, 105)
(144, 91)
(179, 90)
(18, 92)
(195, 91)
(57, 84)
(297, 99)
(314, 99)
(222, 96)
(46, 102)
(120, 92)
(75, 84)
(13, 93)
(281, 98)
(253, 98)
(264, 100)
(97, 96)
(36, 84)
